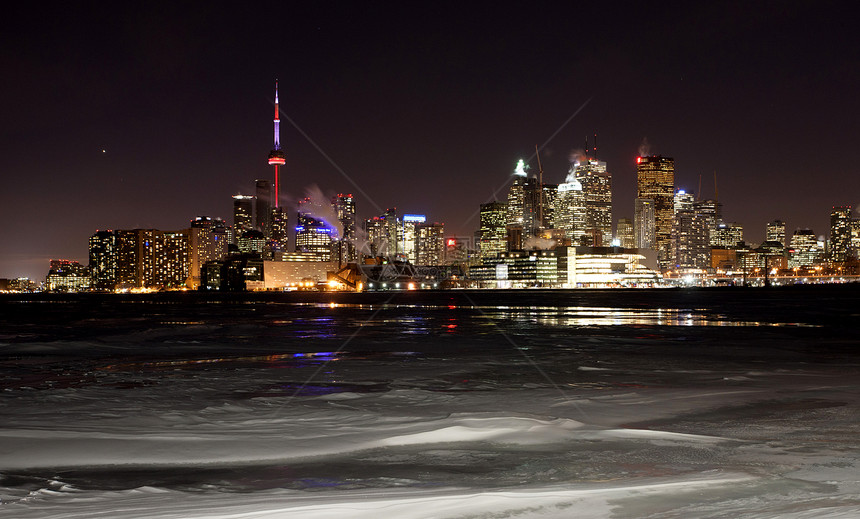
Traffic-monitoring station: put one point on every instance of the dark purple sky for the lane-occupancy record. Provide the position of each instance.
(425, 109)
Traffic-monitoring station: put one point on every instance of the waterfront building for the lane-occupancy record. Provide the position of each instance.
(67, 276)
(102, 254)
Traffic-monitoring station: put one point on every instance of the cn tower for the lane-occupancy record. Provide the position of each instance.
(276, 156)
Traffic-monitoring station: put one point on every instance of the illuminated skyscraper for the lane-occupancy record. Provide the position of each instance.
(430, 246)
(569, 213)
(596, 185)
(206, 242)
(805, 250)
(840, 233)
(344, 208)
(493, 232)
(313, 234)
(624, 233)
(727, 235)
(690, 233)
(102, 247)
(775, 232)
(381, 232)
(656, 180)
(407, 237)
(644, 224)
(524, 198)
(243, 207)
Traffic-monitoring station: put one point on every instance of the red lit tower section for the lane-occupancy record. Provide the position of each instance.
(276, 156)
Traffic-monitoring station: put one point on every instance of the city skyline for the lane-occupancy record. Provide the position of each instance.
(146, 135)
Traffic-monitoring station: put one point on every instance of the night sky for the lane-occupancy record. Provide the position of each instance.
(147, 115)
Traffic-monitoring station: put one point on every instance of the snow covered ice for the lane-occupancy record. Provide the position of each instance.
(724, 403)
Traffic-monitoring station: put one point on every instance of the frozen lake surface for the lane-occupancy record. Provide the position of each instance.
(624, 403)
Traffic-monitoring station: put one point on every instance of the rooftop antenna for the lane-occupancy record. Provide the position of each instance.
(540, 186)
(595, 145)
(716, 191)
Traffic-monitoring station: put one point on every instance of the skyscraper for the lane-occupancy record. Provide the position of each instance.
(569, 213)
(656, 180)
(804, 249)
(840, 233)
(102, 252)
(644, 224)
(624, 233)
(596, 185)
(775, 232)
(524, 199)
(381, 232)
(430, 243)
(493, 232)
(344, 208)
(243, 207)
(690, 233)
(313, 234)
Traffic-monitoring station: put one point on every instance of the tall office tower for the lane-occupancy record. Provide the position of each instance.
(550, 193)
(381, 232)
(407, 237)
(493, 231)
(840, 233)
(625, 234)
(656, 180)
(569, 213)
(263, 209)
(102, 247)
(242, 213)
(690, 234)
(344, 207)
(313, 234)
(775, 232)
(804, 250)
(727, 235)
(524, 199)
(855, 237)
(430, 243)
(596, 185)
(645, 223)
(221, 238)
(712, 211)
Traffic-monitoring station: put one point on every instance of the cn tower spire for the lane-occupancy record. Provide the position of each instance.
(276, 156)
